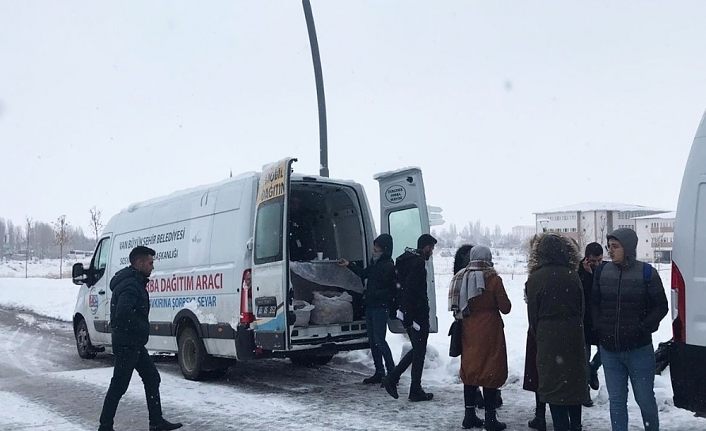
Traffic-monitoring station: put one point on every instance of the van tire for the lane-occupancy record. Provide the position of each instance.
(83, 341)
(310, 360)
(192, 354)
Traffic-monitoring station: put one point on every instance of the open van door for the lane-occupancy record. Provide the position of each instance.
(270, 259)
(403, 215)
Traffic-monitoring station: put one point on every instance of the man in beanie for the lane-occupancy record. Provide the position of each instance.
(414, 304)
(380, 288)
(628, 303)
(130, 330)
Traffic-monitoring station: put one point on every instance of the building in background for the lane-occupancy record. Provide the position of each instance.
(655, 235)
(591, 221)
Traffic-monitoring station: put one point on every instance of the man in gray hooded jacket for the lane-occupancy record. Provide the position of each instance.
(628, 303)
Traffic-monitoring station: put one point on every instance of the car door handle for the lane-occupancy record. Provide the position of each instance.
(101, 292)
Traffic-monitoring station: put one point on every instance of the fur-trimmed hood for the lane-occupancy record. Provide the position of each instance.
(552, 249)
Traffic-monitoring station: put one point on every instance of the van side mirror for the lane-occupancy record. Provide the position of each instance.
(78, 274)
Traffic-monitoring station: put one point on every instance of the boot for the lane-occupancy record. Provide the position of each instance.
(539, 424)
(390, 385)
(374, 379)
(165, 425)
(104, 428)
(418, 394)
(491, 420)
(471, 420)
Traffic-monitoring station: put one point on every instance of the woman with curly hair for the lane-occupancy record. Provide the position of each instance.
(555, 310)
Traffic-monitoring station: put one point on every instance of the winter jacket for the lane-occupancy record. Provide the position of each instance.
(380, 275)
(129, 308)
(555, 313)
(412, 276)
(484, 354)
(625, 309)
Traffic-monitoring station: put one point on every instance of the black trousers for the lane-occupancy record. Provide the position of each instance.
(415, 357)
(127, 359)
(490, 397)
(566, 418)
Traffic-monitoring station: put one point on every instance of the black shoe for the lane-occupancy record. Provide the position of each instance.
(375, 378)
(491, 421)
(390, 386)
(538, 424)
(102, 428)
(165, 425)
(420, 395)
(588, 403)
(594, 383)
(470, 420)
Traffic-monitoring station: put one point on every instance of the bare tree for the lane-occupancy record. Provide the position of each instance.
(61, 235)
(602, 226)
(29, 230)
(96, 222)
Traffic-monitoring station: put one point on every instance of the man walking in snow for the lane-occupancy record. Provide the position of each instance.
(130, 330)
(412, 276)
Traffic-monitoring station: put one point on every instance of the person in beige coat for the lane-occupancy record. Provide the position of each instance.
(478, 296)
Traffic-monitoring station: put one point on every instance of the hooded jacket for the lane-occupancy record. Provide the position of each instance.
(129, 308)
(412, 277)
(380, 275)
(625, 309)
(555, 313)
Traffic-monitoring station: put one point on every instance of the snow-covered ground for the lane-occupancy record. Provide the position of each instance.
(56, 298)
(44, 268)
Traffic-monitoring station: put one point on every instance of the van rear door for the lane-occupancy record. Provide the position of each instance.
(270, 260)
(403, 214)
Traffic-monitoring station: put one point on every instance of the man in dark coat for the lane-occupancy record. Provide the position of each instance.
(380, 288)
(593, 258)
(130, 330)
(628, 303)
(414, 304)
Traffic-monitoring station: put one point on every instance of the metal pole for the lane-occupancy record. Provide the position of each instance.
(319, 77)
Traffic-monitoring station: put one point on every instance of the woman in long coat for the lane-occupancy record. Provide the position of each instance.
(555, 310)
(481, 298)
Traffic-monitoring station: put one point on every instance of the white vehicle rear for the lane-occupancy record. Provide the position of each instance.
(688, 354)
(235, 258)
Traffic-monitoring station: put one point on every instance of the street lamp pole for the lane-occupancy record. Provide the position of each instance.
(319, 77)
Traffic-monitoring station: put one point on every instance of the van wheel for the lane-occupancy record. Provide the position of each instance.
(83, 341)
(310, 360)
(192, 354)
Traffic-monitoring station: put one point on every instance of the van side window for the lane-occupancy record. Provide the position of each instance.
(405, 228)
(268, 232)
(100, 258)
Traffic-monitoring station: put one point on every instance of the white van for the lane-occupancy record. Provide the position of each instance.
(688, 354)
(233, 259)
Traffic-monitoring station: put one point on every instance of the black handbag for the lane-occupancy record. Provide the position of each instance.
(456, 334)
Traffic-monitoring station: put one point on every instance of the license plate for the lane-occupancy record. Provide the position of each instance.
(266, 310)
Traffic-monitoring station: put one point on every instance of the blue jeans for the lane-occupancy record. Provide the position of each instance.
(639, 365)
(376, 321)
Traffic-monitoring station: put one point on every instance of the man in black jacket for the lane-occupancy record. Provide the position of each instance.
(414, 304)
(593, 259)
(628, 303)
(130, 330)
(380, 288)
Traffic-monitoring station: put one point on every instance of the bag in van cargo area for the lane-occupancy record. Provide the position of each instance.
(332, 307)
(302, 310)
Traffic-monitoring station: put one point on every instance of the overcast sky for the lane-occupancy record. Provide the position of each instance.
(508, 107)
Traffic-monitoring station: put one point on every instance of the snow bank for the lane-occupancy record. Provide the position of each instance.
(49, 297)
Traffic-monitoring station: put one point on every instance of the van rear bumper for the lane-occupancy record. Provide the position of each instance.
(686, 366)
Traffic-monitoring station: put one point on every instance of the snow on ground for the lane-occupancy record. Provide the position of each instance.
(45, 268)
(20, 413)
(56, 298)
